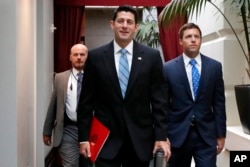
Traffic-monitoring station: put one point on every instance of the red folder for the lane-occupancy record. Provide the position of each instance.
(98, 135)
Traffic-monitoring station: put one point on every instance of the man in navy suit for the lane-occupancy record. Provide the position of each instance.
(138, 120)
(196, 121)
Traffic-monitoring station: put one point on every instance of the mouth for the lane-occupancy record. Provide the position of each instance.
(124, 32)
(79, 62)
(193, 46)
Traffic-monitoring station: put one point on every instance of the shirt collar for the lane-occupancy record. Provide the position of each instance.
(75, 71)
(129, 47)
(187, 59)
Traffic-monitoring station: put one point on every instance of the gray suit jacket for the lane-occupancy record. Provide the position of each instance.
(55, 114)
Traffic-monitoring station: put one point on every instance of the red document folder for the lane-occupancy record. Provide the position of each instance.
(98, 135)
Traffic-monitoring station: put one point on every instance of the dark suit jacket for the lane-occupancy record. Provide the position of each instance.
(208, 108)
(144, 103)
(55, 114)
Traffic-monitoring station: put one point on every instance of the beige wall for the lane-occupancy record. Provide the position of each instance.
(26, 75)
(98, 31)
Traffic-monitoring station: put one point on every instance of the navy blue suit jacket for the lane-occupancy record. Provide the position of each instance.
(208, 108)
(144, 104)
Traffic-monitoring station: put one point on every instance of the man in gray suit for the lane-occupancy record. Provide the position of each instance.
(61, 115)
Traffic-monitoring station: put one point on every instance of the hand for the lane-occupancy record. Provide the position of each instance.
(220, 144)
(85, 149)
(165, 146)
(47, 140)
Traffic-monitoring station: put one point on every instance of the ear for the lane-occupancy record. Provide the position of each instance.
(70, 59)
(180, 42)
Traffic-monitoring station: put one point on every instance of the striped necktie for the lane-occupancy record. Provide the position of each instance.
(123, 71)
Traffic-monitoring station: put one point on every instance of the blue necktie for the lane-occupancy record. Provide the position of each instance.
(123, 71)
(79, 85)
(195, 77)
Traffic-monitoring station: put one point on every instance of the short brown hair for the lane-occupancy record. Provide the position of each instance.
(188, 26)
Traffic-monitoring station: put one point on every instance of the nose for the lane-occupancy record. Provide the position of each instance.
(124, 24)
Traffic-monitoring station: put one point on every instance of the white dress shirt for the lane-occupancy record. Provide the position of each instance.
(71, 99)
(188, 68)
(117, 54)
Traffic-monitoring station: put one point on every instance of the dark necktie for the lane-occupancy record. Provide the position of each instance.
(195, 77)
(79, 85)
(123, 71)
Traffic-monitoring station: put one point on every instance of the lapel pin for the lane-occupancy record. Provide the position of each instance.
(139, 58)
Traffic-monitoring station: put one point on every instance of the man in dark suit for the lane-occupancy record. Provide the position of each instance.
(137, 120)
(61, 115)
(197, 118)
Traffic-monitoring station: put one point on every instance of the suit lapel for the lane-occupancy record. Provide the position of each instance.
(183, 74)
(137, 61)
(109, 61)
(65, 84)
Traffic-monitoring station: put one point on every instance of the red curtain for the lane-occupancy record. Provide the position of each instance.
(169, 38)
(68, 22)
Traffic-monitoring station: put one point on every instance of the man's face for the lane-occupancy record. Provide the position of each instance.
(78, 56)
(124, 27)
(191, 42)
